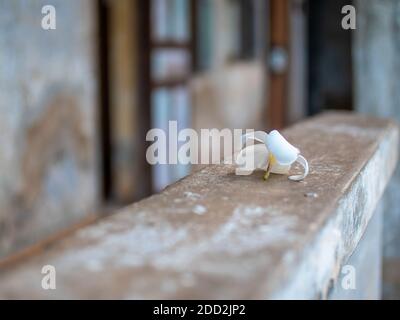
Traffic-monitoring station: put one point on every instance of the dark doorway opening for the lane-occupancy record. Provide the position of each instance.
(329, 57)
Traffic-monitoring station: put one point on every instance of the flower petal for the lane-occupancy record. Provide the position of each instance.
(251, 158)
(280, 168)
(259, 136)
(283, 151)
(303, 162)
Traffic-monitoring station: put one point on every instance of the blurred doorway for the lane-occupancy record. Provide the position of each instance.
(211, 64)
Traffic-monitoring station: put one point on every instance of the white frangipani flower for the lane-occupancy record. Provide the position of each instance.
(274, 155)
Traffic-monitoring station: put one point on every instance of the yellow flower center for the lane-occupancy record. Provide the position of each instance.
(271, 162)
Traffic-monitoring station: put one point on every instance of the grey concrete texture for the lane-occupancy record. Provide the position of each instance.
(251, 239)
(366, 263)
(48, 122)
(376, 49)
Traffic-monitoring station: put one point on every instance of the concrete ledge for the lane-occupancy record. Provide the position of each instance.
(217, 235)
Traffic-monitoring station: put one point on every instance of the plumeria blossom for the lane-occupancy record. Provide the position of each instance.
(274, 155)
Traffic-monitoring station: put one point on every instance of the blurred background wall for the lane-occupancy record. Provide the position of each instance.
(78, 101)
(48, 127)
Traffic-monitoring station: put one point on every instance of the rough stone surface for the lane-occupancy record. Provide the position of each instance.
(367, 276)
(48, 164)
(252, 239)
(376, 50)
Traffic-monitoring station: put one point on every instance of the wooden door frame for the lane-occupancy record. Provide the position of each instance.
(279, 37)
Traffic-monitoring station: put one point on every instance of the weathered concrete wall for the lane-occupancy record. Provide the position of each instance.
(377, 91)
(217, 235)
(367, 276)
(48, 119)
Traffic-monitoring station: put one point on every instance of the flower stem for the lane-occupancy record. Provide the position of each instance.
(271, 162)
